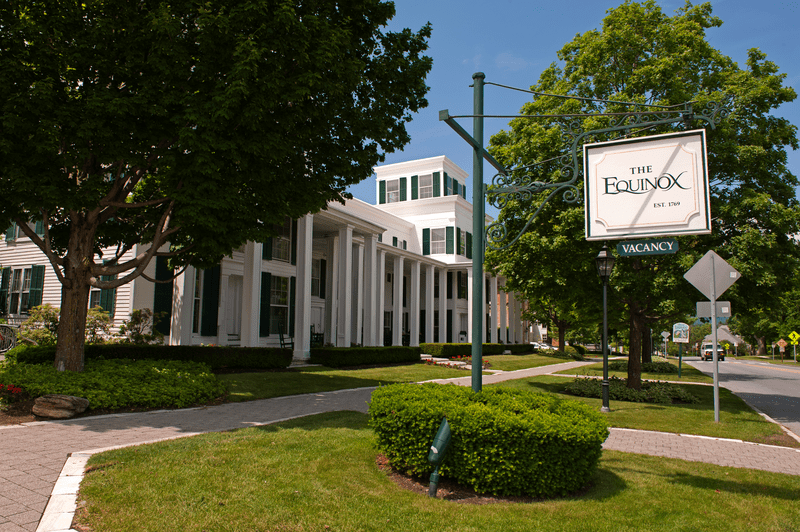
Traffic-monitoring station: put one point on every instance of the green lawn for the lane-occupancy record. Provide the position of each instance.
(688, 373)
(315, 379)
(777, 360)
(737, 420)
(319, 473)
(516, 362)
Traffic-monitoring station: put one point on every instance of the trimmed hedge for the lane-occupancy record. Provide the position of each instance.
(651, 392)
(465, 350)
(647, 367)
(505, 442)
(121, 383)
(216, 357)
(337, 357)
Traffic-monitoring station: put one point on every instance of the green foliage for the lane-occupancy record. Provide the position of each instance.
(214, 357)
(503, 441)
(121, 383)
(651, 392)
(569, 354)
(337, 357)
(41, 326)
(462, 350)
(139, 328)
(98, 325)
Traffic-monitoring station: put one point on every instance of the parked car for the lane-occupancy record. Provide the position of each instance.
(707, 352)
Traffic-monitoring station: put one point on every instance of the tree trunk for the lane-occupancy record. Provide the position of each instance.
(72, 327)
(638, 328)
(647, 345)
(75, 294)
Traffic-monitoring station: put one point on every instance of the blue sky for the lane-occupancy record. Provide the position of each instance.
(513, 41)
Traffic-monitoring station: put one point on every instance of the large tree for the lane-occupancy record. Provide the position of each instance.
(194, 124)
(643, 55)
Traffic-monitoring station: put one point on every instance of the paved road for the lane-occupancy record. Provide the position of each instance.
(35, 472)
(771, 388)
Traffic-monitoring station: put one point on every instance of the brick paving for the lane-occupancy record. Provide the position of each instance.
(34, 455)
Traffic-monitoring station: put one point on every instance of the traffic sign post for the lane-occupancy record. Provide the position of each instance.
(712, 276)
(794, 337)
(680, 335)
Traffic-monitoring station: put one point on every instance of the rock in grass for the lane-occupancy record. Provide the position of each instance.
(57, 406)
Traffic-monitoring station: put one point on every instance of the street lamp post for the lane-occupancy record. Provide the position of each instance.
(605, 264)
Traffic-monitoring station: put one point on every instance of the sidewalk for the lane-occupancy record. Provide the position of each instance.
(34, 467)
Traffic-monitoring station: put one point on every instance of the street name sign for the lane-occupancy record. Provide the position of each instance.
(634, 248)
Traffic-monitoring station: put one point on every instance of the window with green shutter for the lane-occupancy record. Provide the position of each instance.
(162, 296)
(456, 190)
(450, 247)
(37, 286)
(394, 241)
(39, 227)
(469, 245)
(436, 184)
(11, 232)
(264, 305)
(426, 241)
(459, 247)
(448, 185)
(5, 281)
(403, 185)
(414, 187)
(381, 192)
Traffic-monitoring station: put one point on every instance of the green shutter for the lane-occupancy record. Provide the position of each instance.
(394, 241)
(382, 192)
(37, 286)
(323, 274)
(210, 312)
(414, 187)
(449, 242)
(448, 185)
(266, 249)
(436, 180)
(455, 188)
(292, 306)
(469, 245)
(162, 296)
(266, 288)
(403, 185)
(11, 232)
(5, 281)
(458, 242)
(108, 295)
(464, 191)
(39, 227)
(426, 241)
(293, 257)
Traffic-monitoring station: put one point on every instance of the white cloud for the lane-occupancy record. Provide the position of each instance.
(511, 63)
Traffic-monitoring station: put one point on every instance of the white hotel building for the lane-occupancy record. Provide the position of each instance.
(397, 272)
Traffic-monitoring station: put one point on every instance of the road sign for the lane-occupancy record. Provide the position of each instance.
(680, 333)
(701, 273)
(794, 337)
(637, 248)
(782, 343)
(664, 335)
(704, 309)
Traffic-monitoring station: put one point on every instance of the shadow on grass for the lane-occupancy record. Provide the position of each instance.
(754, 489)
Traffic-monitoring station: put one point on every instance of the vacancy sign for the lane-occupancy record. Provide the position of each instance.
(648, 186)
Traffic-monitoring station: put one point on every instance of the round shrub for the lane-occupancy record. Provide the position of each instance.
(504, 442)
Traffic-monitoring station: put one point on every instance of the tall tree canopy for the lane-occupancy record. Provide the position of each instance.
(643, 55)
(198, 124)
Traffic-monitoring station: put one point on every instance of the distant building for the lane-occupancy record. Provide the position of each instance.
(398, 272)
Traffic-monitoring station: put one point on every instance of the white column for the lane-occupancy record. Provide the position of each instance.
(356, 330)
(380, 297)
(494, 311)
(302, 310)
(180, 328)
(501, 307)
(332, 290)
(397, 303)
(470, 295)
(512, 317)
(251, 294)
(442, 305)
(414, 304)
(371, 314)
(344, 307)
(429, 303)
(483, 311)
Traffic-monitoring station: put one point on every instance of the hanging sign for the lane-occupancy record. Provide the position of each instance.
(634, 248)
(647, 186)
